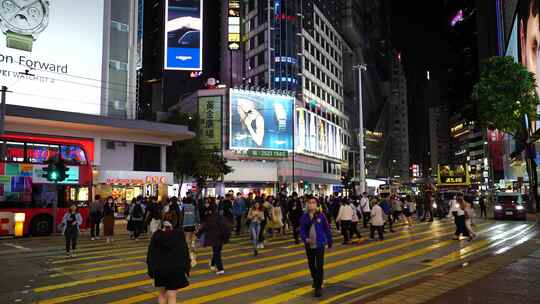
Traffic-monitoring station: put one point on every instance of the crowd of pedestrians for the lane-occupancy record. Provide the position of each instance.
(178, 227)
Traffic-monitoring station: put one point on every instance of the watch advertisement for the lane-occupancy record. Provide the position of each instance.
(260, 120)
(51, 54)
(183, 35)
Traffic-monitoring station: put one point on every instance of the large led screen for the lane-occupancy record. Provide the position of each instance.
(183, 34)
(51, 54)
(260, 121)
(316, 135)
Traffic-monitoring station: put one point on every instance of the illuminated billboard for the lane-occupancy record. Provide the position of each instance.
(60, 45)
(453, 175)
(260, 121)
(316, 135)
(210, 122)
(183, 35)
(234, 25)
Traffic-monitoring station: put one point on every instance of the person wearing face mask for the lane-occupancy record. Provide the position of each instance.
(70, 226)
(108, 219)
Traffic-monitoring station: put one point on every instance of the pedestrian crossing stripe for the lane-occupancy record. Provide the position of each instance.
(303, 273)
(476, 248)
(288, 296)
(284, 278)
(146, 282)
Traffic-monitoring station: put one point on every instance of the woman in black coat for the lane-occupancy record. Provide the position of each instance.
(168, 260)
(214, 232)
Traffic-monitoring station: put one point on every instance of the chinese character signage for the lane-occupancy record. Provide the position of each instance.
(453, 175)
(183, 35)
(210, 121)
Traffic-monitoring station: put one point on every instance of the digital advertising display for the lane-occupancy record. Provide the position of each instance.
(453, 175)
(317, 135)
(234, 25)
(183, 34)
(51, 54)
(260, 121)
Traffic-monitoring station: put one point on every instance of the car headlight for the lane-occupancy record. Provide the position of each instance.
(519, 207)
(498, 207)
(434, 205)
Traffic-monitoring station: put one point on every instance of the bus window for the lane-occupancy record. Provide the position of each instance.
(14, 151)
(73, 154)
(39, 153)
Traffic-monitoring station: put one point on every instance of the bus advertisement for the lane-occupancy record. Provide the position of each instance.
(29, 203)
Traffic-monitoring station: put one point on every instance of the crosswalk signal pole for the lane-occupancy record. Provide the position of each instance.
(361, 160)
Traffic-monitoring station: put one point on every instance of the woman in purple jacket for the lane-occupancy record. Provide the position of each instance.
(316, 234)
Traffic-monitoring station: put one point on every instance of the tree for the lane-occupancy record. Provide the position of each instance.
(192, 159)
(505, 99)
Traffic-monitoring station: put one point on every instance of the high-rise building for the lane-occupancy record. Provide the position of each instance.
(439, 136)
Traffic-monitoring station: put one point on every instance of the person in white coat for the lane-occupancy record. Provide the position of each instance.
(365, 209)
(344, 218)
(377, 220)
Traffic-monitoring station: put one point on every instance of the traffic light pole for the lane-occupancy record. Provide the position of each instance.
(3, 121)
(361, 161)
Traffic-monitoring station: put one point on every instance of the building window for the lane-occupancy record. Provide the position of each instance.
(147, 158)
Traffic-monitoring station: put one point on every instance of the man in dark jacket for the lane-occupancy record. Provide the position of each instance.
(168, 260)
(295, 213)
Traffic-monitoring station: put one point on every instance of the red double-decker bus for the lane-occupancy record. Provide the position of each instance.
(27, 196)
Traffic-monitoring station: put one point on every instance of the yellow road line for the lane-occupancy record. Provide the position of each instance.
(254, 286)
(452, 257)
(288, 296)
(302, 273)
(110, 289)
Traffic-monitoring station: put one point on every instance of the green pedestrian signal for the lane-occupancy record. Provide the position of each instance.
(56, 170)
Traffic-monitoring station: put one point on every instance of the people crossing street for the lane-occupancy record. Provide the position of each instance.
(70, 227)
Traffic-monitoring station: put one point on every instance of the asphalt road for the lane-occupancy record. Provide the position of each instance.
(37, 270)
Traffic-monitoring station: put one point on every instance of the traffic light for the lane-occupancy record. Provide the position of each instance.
(56, 170)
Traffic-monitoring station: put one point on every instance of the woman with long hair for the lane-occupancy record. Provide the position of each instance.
(108, 219)
(71, 223)
(255, 217)
(168, 260)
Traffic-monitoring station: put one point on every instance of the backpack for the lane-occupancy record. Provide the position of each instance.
(137, 212)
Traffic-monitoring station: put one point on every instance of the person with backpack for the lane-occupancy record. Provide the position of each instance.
(190, 222)
(215, 233)
(168, 260)
(316, 234)
(137, 214)
(70, 226)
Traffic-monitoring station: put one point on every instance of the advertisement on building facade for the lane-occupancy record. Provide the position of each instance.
(260, 121)
(453, 175)
(183, 35)
(210, 122)
(51, 54)
(317, 135)
(234, 25)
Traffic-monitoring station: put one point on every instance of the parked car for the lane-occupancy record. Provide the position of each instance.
(510, 205)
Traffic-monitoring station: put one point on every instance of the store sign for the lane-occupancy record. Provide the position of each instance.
(60, 44)
(210, 122)
(125, 181)
(156, 180)
(450, 175)
(260, 121)
(40, 170)
(183, 35)
(268, 153)
(234, 25)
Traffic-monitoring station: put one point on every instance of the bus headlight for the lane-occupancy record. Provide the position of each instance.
(20, 217)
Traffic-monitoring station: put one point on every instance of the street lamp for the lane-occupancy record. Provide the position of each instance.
(360, 68)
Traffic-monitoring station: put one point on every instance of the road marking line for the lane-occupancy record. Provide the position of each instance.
(443, 261)
(242, 275)
(284, 297)
(18, 247)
